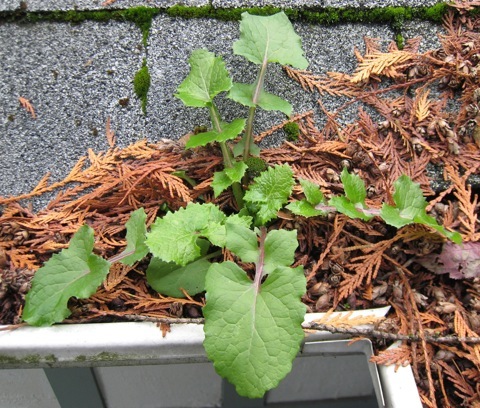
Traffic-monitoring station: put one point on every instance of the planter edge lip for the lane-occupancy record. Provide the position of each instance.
(123, 343)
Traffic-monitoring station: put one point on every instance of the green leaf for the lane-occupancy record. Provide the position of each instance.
(431, 222)
(312, 192)
(136, 231)
(207, 78)
(243, 94)
(173, 238)
(74, 271)
(345, 206)
(253, 334)
(229, 131)
(313, 197)
(354, 187)
(271, 190)
(242, 241)
(238, 148)
(280, 248)
(391, 215)
(408, 197)
(304, 209)
(410, 205)
(220, 182)
(269, 39)
(168, 278)
(225, 178)
(353, 203)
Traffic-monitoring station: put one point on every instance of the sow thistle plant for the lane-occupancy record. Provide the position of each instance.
(252, 326)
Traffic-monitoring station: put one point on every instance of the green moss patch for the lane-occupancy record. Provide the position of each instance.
(141, 85)
(292, 131)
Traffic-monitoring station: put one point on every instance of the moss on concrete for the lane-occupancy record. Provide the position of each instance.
(29, 360)
(103, 356)
(292, 131)
(141, 85)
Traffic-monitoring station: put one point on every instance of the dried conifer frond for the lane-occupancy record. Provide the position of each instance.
(27, 105)
(380, 63)
(398, 356)
(462, 388)
(342, 320)
(412, 44)
(467, 203)
(111, 138)
(422, 106)
(332, 83)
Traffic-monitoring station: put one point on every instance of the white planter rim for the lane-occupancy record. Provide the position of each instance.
(120, 343)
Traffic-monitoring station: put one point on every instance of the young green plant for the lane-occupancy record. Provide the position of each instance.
(263, 40)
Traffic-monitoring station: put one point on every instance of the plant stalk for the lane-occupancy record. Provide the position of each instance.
(247, 139)
(227, 155)
(259, 271)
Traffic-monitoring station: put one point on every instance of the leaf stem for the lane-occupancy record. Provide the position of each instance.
(248, 136)
(226, 153)
(259, 265)
(247, 139)
(120, 256)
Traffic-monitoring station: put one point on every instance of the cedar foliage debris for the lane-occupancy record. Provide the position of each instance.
(27, 105)
(405, 124)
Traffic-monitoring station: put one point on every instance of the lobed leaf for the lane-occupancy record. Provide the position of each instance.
(304, 209)
(74, 272)
(269, 39)
(313, 197)
(271, 191)
(312, 192)
(280, 248)
(242, 241)
(354, 187)
(345, 206)
(410, 205)
(353, 203)
(225, 178)
(207, 78)
(173, 238)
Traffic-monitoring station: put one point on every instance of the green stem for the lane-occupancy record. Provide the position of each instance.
(215, 118)
(247, 139)
(227, 155)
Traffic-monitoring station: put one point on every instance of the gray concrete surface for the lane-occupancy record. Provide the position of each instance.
(49, 5)
(76, 75)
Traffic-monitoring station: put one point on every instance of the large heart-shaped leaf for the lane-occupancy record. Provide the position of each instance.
(252, 334)
(207, 78)
(266, 39)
